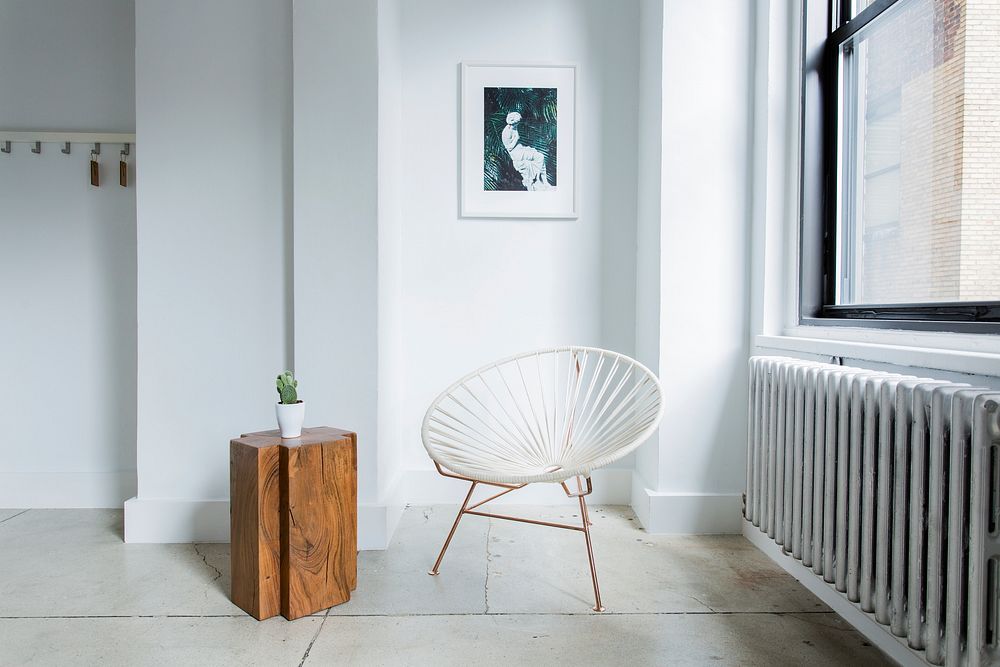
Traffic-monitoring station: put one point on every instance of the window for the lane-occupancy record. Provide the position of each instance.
(901, 164)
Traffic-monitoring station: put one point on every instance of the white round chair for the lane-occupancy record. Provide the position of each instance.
(542, 416)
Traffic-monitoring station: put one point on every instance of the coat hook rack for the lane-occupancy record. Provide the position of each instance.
(67, 139)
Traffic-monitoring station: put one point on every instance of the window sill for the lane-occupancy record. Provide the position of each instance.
(960, 353)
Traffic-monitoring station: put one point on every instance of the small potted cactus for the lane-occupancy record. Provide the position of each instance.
(290, 409)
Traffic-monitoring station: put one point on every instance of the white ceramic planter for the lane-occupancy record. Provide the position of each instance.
(290, 418)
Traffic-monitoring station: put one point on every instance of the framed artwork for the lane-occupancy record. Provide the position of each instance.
(519, 141)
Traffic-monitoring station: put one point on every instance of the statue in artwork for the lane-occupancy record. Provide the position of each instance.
(528, 162)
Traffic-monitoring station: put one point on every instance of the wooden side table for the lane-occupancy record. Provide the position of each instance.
(294, 521)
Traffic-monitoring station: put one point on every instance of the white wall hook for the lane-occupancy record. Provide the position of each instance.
(66, 147)
(5, 148)
(37, 148)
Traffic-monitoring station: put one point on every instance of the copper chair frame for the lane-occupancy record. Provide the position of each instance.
(507, 488)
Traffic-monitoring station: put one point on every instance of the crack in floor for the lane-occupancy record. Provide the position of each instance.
(703, 604)
(489, 559)
(204, 559)
(14, 516)
(305, 655)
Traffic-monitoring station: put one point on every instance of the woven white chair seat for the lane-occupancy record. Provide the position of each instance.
(543, 416)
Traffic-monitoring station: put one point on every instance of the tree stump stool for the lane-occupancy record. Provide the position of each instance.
(294, 521)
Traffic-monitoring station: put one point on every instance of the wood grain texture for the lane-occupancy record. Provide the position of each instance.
(318, 514)
(255, 527)
(311, 506)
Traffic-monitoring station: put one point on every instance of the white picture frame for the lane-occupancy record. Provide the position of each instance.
(529, 167)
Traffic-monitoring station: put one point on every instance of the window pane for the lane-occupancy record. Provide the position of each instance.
(919, 217)
(853, 7)
(858, 6)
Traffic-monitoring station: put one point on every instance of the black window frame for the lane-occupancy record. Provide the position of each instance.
(826, 26)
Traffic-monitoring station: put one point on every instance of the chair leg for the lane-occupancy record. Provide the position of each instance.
(454, 526)
(584, 515)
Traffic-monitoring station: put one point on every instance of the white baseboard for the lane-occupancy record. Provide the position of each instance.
(863, 622)
(168, 520)
(666, 513)
(427, 487)
(639, 500)
(176, 520)
(376, 524)
(57, 490)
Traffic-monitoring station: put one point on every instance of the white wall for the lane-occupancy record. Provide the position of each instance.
(213, 119)
(474, 290)
(649, 215)
(390, 253)
(705, 194)
(67, 259)
(67, 65)
(394, 295)
(346, 334)
(689, 483)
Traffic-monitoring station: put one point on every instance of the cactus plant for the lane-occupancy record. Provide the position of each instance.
(287, 385)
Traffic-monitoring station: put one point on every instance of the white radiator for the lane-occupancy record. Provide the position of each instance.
(887, 487)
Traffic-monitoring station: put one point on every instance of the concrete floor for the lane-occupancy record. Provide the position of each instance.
(71, 593)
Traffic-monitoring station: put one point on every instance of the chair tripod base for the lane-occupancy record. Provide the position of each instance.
(473, 510)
